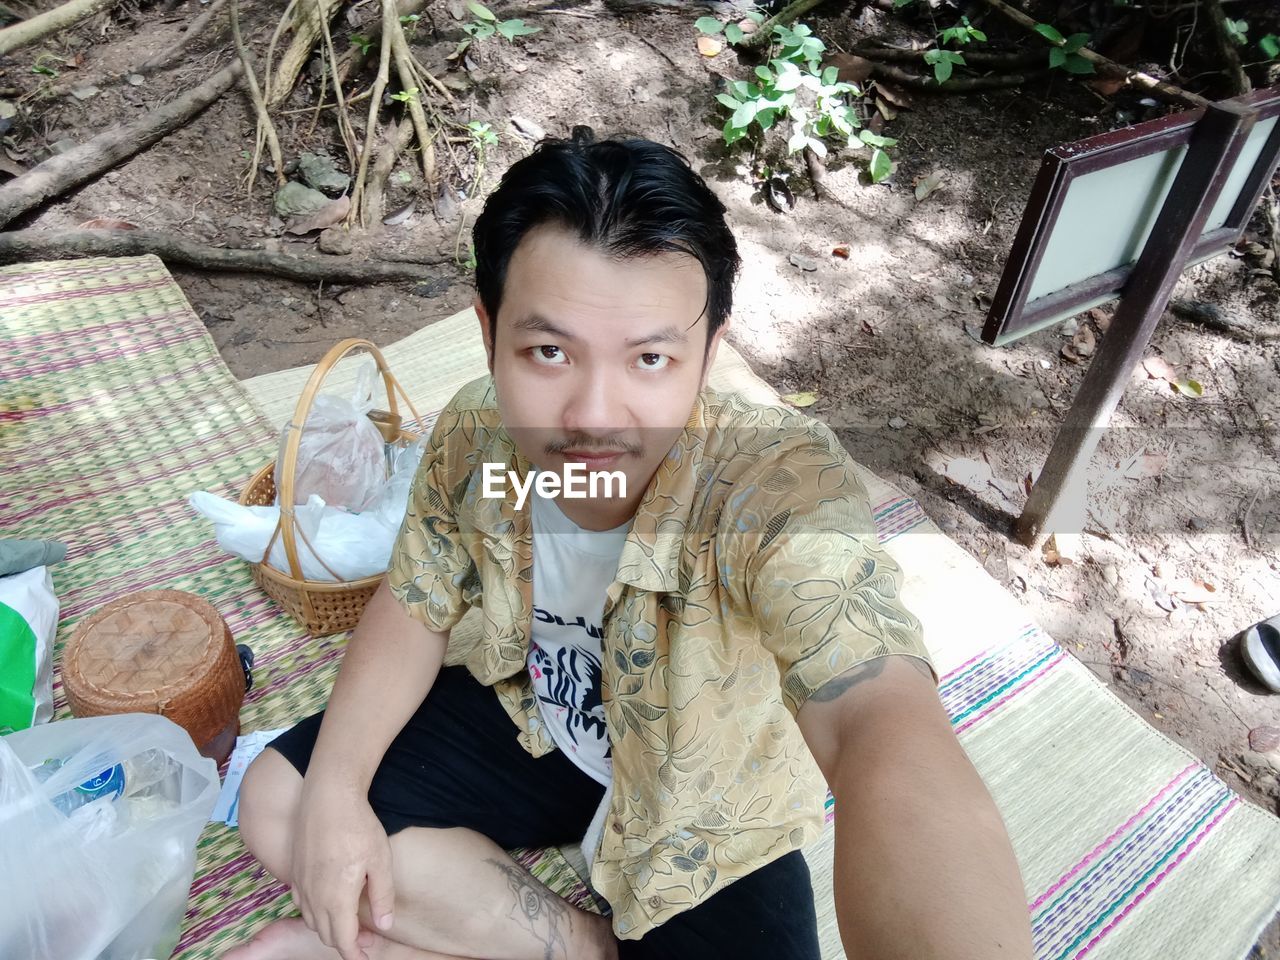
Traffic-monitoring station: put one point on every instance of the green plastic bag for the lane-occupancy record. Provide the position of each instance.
(28, 625)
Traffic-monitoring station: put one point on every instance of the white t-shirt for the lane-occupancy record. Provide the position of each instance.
(572, 570)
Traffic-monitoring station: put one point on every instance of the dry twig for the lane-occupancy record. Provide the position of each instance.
(265, 126)
(194, 29)
(59, 18)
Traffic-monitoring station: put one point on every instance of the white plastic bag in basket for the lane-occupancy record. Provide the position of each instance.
(341, 455)
(104, 878)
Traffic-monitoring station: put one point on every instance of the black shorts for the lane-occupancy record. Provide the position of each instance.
(457, 763)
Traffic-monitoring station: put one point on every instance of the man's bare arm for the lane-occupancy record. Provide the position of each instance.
(923, 865)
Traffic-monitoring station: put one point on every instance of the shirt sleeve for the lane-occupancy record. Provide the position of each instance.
(823, 592)
(431, 573)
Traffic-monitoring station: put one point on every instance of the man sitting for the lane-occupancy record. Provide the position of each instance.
(667, 669)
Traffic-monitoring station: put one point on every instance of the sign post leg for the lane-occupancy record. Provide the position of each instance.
(1211, 153)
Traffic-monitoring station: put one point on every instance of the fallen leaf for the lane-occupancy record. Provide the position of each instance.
(778, 195)
(528, 128)
(1102, 318)
(399, 216)
(326, 216)
(886, 111)
(1264, 739)
(808, 264)
(1069, 353)
(876, 123)
(895, 94)
(897, 423)
(973, 474)
(1188, 387)
(805, 398)
(709, 46)
(100, 223)
(1158, 368)
(1062, 549)
(1108, 88)
(1161, 596)
(748, 26)
(1084, 342)
(1190, 590)
(1143, 464)
(841, 251)
(850, 68)
(927, 185)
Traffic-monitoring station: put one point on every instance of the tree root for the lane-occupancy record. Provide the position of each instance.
(265, 126)
(783, 17)
(59, 18)
(359, 206)
(194, 29)
(1226, 47)
(17, 246)
(1109, 67)
(119, 142)
(915, 81)
(975, 58)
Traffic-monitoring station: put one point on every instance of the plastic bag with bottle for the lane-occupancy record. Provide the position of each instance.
(99, 819)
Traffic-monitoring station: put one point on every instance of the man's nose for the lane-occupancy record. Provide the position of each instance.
(596, 406)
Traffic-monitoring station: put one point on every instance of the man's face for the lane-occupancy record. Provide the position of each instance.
(598, 361)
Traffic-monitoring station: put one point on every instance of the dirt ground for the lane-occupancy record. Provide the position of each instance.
(1184, 489)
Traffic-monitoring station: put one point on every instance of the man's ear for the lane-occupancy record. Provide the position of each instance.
(712, 347)
(485, 331)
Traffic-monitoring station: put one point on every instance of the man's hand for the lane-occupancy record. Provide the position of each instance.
(339, 849)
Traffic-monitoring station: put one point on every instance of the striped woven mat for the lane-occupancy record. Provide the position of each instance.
(114, 406)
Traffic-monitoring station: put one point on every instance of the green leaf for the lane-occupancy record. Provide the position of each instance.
(515, 28)
(829, 75)
(733, 33)
(1057, 57)
(880, 165)
(765, 74)
(1078, 64)
(766, 118)
(805, 398)
(728, 101)
(1075, 42)
(709, 25)
(733, 134)
(1049, 33)
(789, 80)
(977, 34)
(745, 113)
(801, 30)
(797, 142)
(1270, 45)
(480, 10)
(756, 16)
(1187, 387)
(942, 70)
(875, 140)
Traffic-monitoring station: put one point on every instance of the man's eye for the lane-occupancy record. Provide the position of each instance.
(549, 355)
(654, 361)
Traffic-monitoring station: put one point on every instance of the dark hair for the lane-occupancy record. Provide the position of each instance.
(627, 197)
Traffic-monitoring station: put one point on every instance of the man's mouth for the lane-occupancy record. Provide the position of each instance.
(593, 459)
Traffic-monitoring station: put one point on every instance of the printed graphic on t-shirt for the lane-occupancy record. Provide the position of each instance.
(569, 686)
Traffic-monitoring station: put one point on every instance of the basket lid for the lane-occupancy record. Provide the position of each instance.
(151, 645)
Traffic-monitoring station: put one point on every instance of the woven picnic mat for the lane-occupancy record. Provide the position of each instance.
(114, 406)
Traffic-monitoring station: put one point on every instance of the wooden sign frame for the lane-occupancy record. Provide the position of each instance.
(1011, 317)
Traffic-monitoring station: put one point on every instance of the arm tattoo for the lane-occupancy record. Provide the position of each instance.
(537, 909)
(864, 671)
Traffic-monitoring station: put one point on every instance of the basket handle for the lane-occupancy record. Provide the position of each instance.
(293, 440)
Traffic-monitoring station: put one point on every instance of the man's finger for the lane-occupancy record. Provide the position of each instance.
(346, 929)
(382, 896)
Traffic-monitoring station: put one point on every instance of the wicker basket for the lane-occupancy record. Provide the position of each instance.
(159, 651)
(322, 606)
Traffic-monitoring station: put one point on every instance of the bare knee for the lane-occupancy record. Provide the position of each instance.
(269, 796)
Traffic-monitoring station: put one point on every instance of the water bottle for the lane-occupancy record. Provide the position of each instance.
(108, 783)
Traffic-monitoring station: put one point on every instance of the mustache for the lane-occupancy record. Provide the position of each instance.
(593, 445)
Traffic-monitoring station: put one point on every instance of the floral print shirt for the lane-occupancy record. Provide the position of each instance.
(751, 577)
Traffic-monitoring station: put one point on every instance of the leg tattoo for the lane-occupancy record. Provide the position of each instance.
(537, 909)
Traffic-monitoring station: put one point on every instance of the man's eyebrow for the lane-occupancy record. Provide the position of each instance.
(671, 334)
(539, 324)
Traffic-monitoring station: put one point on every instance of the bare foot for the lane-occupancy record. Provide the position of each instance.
(291, 939)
